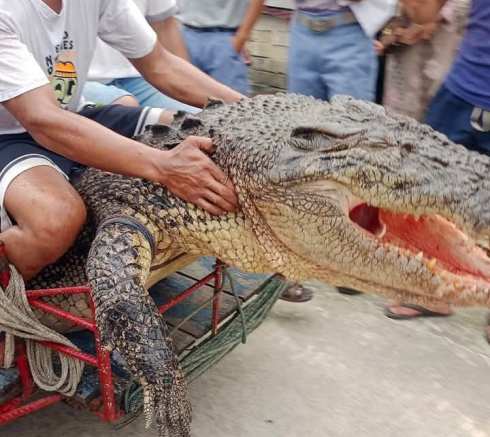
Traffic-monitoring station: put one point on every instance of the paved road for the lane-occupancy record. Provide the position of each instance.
(335, 367)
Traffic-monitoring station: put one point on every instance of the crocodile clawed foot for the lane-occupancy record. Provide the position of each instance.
(173, 409)
(170, 401)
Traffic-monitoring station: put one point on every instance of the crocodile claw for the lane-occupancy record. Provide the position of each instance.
(170, 401)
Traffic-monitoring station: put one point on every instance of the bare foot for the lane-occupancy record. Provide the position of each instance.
(402, 310)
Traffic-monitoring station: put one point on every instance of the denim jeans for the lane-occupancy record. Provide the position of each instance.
(339, 61)
(452, 116)
(137, 87)
(213, 53)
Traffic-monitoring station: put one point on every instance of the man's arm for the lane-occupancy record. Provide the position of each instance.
(170, 37)
(181, 80)
(423, 11)
(243, 33)
(185, 171)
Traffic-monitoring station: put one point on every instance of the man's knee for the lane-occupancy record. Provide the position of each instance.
(126, 101)
(59, 227)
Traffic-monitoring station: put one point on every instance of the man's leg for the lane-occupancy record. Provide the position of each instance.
(196, 45)
(98, 93)
(224, 64)
(214, 54)
(451, 116)
(348, 63)
(147, 95)
(48, 215)
(303, 73)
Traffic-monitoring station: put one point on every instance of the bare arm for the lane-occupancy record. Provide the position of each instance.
(423, 11)
(169, 35)
(181, 80)
(243, 33)
(185, 170)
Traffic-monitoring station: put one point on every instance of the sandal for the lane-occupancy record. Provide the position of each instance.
(296, 293)
(423, 312)
(348, 291)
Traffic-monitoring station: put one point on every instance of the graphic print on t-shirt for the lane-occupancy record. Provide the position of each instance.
(63, 72)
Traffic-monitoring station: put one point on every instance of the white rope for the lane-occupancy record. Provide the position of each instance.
(18, 320)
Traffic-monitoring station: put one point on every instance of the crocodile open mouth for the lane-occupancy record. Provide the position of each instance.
(433, 240)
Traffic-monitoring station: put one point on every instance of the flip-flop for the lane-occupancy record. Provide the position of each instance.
(296, 293)
(424, 312)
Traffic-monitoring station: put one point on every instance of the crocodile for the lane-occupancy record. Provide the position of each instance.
(344, 191)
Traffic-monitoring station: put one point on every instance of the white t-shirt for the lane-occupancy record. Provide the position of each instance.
(213, 13)
(39, 46)
(108, 64)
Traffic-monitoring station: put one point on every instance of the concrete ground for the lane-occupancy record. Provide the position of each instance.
(335, 367)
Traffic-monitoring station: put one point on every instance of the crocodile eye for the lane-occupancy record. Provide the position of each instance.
(325, 138)
(328, 136)
(310, 140)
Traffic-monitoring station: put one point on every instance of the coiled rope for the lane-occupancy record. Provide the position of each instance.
(18, 320)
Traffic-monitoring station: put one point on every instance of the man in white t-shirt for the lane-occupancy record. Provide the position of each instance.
(45, 50)
(112, 79)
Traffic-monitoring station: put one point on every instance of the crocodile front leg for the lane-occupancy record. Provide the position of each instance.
(128, 321)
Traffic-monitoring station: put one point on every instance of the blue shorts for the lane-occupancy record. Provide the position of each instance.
(20, 152)
(137, 87)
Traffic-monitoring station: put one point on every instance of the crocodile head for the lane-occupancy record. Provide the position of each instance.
(353, 195)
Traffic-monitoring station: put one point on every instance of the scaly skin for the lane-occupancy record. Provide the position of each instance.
(128, 320)
(301, 167)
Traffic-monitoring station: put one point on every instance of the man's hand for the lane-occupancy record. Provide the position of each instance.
(185, 170)
(192, 176)
(410, 35)
(379, 47)
(242, 35)
(238, 43)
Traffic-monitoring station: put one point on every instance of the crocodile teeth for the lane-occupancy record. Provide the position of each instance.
(458, 286)
(419, 256)
(470, 244)
(440, 291)
(432, 263)
(382, 232)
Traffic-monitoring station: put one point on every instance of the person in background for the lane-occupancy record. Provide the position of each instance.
(461, 107)
(215, 33)
(419, 57)
(329, 53)
(112, 79)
